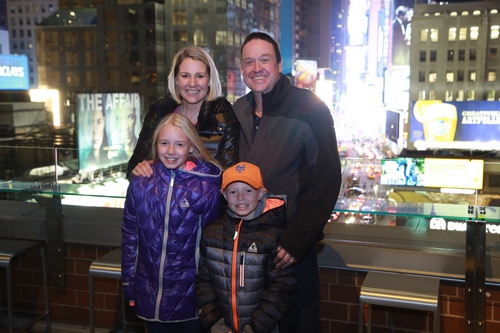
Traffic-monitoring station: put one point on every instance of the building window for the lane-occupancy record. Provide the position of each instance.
(450, 76)
(91, 78)
(114, 78)
(151, 78)
(432, 76)
(423, 56)
(133, 58)
(421, 76)
(460, 95)
(472, 54)
(135, 78)
(180, 36)
(421, 94)
(492, 75)
(423, 35)
(462, 34)
(452, 34)
(179, 17)
(72, 78)
(460, 75)
(448, 96)
(495, 31)
(434, 35)
(199, 37)
(151, 57)
(472, 76)
(433, 55)
(432, 94)
(201, 16)
(490, 95)
(461, 55)
(90, 58)
(451, 55)
(471, 94)
(474, 33)
(132, 37)
(493, 53)
(150, 36)
(220, 37)
(132, 17)
(14, 33)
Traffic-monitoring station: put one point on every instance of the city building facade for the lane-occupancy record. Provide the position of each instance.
(454, 51)
(128, 46)
(22, 17)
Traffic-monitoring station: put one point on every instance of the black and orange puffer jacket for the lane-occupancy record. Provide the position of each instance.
(237, 279)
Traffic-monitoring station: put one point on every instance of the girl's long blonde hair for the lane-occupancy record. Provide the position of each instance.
(185, 124)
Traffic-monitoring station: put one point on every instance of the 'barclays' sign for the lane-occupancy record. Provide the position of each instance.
(13, 72)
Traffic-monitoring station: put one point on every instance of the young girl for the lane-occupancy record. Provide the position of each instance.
(162, 223)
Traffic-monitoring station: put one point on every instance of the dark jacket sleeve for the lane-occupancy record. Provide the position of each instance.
(142, 150)
(227, 152)
(280, 283)
(315, 204)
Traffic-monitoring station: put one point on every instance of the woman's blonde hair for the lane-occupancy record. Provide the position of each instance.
(196, 53)
(185, 124)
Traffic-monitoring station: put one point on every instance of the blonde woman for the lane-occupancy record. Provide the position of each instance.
(195, 92)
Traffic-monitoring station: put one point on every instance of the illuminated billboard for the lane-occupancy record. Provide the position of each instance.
(14, 72)
(305, 73)
(432, 172)
(400, 39)
(435, 124)
(108, 127)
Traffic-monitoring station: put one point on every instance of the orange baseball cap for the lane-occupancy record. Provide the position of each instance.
(243, 172)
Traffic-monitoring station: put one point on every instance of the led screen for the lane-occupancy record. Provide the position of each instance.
(432, 172)
(14, 72)
(435, 124)
(305, 73)
(108, 127)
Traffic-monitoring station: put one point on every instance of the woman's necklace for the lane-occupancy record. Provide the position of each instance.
(194, 119)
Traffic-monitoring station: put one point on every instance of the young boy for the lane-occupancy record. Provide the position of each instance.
(238, 287)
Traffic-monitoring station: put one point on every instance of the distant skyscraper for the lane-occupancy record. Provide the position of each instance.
(305, 32)
(22, 18)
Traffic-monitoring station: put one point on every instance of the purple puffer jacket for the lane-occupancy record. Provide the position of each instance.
(162, 223)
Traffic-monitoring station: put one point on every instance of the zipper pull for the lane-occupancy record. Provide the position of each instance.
(242, 269)
(235, 234)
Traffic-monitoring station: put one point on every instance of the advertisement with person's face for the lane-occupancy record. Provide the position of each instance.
(108, 126)
(401, 32)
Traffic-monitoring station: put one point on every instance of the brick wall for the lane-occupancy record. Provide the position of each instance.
(339, 295)
(339, 307)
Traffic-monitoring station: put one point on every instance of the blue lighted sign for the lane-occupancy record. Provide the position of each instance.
(14, 72)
